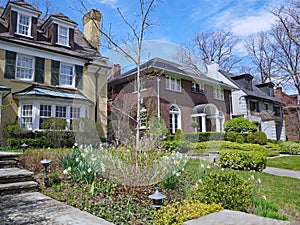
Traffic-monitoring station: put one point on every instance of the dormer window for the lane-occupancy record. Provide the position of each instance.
(63, 35)
(24, 25)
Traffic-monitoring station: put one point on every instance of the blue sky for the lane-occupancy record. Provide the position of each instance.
(177, 21)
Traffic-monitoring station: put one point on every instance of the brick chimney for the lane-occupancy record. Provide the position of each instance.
(115, 70)
(91, 27)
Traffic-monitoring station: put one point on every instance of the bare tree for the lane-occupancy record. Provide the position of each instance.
(262, 55)
(216, 46)
(130, 46)
(287, 57)
(288, 15)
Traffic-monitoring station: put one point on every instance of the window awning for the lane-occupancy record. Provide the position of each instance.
(49, 92)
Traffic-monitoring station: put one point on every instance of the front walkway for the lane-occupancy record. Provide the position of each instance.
(36, 209)
(282, 172)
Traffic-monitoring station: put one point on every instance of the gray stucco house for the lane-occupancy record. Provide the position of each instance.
(257, 102)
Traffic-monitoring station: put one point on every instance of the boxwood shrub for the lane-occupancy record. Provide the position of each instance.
(218, 145)
(177, 213)
(202, 136)
(289, 147)
(257, 138)
(225, 188)
(242, 160)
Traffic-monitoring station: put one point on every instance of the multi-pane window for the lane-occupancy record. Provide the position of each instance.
(218, 94)
(60, 111)
(75, 114)
(24, 23)
(254, 106)
(66, 74)
(26, 117)
(63, 35)
(199, 88)
(142, 83)
(143, 117)
(174, 119)
(24, 67)
(45, 112)
(173, 84)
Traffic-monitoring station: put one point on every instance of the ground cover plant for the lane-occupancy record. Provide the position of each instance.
(285, 162)
(123, 204)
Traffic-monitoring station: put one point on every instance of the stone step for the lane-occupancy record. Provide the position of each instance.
(18, 187)
(11, 175)
(9, 156)
(8, 164)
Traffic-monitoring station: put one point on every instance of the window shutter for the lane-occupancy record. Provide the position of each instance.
(71, 37)
(78, 78)
(10, 65)
(13, 22)
(34, 28)
(54, 72)
(39, 70)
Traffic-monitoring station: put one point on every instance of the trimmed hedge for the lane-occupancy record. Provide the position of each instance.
(289, 147)
(257, 138)
(218, 145)
(202, 136)
(242, 160)
(178, 212)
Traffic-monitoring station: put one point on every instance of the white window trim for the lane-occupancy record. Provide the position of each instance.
(194, 87)
(143, 110)
(221, 94)
(33, 67)
(68, 35)
(73, 75)
(84, 109)
(173, 129)
(29, 26)
(169, 83)
(143, 84)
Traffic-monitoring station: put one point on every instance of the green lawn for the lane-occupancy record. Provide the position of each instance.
(285, 162)
(283, 191)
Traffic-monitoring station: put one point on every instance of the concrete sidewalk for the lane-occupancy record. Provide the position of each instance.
(282, 172)
(36, 208)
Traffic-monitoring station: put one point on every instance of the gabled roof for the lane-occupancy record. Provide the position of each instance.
(82, 48)
(60, 17)
(20, 3)
(255, 92)
(171, 67)
(50, 92)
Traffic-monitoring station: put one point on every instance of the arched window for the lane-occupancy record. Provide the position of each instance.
(175, 118)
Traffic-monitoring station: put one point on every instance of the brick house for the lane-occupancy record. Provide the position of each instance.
(183, 99)
(49, 68)
(291, 113)
(257, 103)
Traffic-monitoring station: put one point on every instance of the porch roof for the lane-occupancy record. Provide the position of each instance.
(42, 91)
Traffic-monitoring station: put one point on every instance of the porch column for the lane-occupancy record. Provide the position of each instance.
(203, 122)
(218, 124)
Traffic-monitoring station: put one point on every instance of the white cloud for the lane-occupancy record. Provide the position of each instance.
(248, 25)
(111, 3)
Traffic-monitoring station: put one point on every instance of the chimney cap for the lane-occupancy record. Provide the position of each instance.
(93, 14)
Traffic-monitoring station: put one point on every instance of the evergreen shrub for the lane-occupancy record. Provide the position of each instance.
(242, 160)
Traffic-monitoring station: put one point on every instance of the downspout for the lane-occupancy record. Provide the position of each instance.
(96, 93)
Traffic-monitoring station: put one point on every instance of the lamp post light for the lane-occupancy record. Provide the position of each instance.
(157, 198)
(46, 163)
(24, 147)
